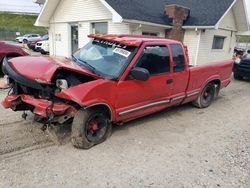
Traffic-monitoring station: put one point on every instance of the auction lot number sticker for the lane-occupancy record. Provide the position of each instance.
(121, 52)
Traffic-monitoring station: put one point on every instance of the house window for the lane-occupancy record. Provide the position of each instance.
(218, 42)
(155, 59)
(150, 33)
(100, 28)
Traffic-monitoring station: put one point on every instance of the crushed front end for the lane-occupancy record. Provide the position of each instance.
(39, 98)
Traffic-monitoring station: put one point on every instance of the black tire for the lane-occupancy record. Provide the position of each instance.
(44, 53)
(206, 97)
(25, 41)
(237, 76)
(90, 127)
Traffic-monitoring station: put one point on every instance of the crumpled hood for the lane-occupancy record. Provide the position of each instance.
(42, 68)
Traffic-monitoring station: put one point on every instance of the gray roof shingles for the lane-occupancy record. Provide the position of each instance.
(202, 12)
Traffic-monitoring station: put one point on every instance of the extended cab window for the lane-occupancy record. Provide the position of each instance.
(155, 59)
(178, 57)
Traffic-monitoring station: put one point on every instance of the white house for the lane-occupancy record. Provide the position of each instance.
(209, 27)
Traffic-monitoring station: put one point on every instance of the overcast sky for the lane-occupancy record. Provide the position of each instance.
(30, 6)
(19, 6)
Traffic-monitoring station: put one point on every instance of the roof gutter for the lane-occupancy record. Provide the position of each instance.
(198, 27)
(147, 23)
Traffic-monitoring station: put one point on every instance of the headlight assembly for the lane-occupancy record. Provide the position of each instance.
(62, 84)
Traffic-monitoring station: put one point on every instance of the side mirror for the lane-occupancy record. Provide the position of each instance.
(139, 73)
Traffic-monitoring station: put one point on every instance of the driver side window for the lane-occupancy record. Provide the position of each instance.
(155, 59)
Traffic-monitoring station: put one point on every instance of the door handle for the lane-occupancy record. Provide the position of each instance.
(170, 81)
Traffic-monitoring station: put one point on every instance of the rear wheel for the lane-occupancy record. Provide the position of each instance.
(90, 127)
(206, 96)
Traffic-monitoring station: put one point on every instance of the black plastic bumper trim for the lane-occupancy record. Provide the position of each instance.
(8, 70)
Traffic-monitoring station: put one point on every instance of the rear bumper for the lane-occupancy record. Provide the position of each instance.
(40, 107)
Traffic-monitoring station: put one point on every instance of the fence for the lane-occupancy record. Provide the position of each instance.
(242, 45)
(7, 35)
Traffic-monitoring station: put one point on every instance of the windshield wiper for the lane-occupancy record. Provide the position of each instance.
(74, 58)
(90, 67)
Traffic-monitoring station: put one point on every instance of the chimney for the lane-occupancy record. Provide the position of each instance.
(177, 14)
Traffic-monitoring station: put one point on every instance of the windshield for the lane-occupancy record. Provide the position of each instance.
(45, 37)
(104, 58)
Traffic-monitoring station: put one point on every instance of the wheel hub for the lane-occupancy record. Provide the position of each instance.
(93, 126)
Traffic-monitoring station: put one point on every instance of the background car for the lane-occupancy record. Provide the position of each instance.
(242, 68)
(27, 37)
(42, 46)
(10, 51)
(32, 42)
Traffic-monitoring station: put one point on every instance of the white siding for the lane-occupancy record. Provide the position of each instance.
(240, 15)
(228, 22)
(207, 54)
(60, 39)
(83, 32)
(227, 29)
(118, 28)
(80, 10)
(113, 28)
(191, 41)
(137, 29)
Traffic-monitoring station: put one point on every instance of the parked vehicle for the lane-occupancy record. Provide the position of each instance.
(10, 51)
(27, 37)
(113, 79)
(32, 42)
(42, 46)
(242, 68)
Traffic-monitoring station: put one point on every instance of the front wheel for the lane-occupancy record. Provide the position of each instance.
(206, 96)
(90, 127)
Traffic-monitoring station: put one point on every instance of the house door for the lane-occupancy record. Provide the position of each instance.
(74, 38)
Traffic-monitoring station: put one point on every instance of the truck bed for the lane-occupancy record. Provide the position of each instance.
(201, 75)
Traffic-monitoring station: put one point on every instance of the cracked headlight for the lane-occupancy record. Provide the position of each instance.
(62, 84)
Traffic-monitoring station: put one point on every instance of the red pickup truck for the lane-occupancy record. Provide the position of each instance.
(113, 79)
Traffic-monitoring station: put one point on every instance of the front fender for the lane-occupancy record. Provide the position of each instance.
(92, 93)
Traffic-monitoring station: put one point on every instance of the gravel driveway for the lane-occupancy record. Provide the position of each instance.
(179, 147)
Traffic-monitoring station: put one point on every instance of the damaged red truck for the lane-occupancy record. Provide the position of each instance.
(113, 79)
